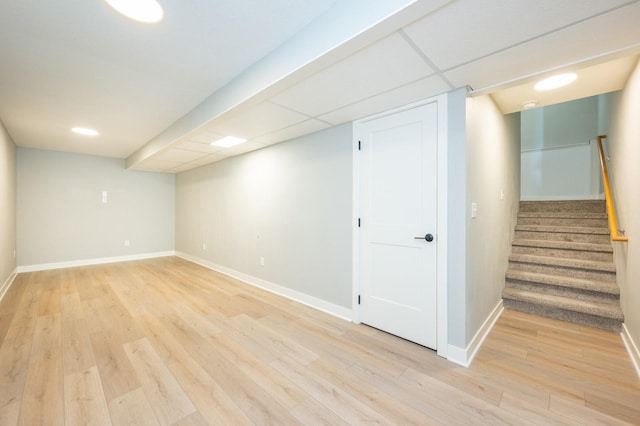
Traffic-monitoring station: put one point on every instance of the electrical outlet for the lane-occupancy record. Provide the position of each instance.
(204, 246)
(126, 243)
(104, 196)
(502, 194)
(261, 261)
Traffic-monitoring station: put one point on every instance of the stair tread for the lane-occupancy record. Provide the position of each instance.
(596, 201)
(607, 287)
(570, 245)
(564, 215)
(564, 229)
(592, 265)
(603, 309)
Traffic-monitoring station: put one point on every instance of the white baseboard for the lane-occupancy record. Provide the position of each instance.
(464, 356)
(305, 299)
(632, 348)
(5, 286)
(89, 262)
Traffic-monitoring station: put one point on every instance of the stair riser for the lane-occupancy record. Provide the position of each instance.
(563, 271)
(562, 315)
(570, 254)
(563, 236)
(575, 294)
(596, 206)
(563, 221)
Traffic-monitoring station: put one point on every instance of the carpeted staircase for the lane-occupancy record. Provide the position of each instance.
(561, 264)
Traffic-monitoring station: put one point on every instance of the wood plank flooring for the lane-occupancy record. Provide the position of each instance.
(167, 342)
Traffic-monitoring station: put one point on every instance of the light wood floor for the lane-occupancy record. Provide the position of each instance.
(167, 342)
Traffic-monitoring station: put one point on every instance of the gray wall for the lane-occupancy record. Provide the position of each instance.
(61, 216)
(567, 123)
(623, 144)
(7, 205)
(557, 160)
(290, 204)
(493, 167)
(484, 161)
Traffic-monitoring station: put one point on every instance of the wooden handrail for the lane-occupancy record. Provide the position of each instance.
(613, 223)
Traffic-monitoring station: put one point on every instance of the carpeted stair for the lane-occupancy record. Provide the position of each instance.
(561, 264)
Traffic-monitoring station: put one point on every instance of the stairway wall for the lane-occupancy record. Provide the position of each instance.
(493, 184)
(7, 207)
(623, 144)
(483, 157)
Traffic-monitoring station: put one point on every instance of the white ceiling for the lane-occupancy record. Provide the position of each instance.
(79, 63)
(272, 71)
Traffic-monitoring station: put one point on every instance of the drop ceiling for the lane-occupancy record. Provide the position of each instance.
(272, 71)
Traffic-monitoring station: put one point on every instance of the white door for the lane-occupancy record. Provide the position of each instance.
(398, 210)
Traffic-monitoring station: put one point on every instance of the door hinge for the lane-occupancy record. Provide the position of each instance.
(358, 222)
(358, 299)
(359, 146)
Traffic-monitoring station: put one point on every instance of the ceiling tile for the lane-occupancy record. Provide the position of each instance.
(205, 137)
(476, 28)
(198, 147)
(184, 168)
(240, 149)
(304, 128)
(561, 48)
(387, 64)
(212, 158)
(422, 89)
(229, 152)
(154, 165)
(178, 155)
(261, 119)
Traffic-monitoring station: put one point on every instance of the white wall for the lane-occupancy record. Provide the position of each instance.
(493, 184)
(624, 149)
(61, 216)
(456, 218)
(557, 160)
(7, 206)
(290, 204)
(484, 162)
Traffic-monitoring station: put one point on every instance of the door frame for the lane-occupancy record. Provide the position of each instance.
(441, 226)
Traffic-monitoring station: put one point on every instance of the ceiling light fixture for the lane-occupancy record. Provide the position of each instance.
(228, 142)
(529, 104)
(147, 11)
(556, 81)
(84, 131)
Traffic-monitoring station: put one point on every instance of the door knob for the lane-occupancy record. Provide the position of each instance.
(427, 238)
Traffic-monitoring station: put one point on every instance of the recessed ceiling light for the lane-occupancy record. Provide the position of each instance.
(556, 81)
(84, 131)
(529, 104)
(148, 11)
(228, 142)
